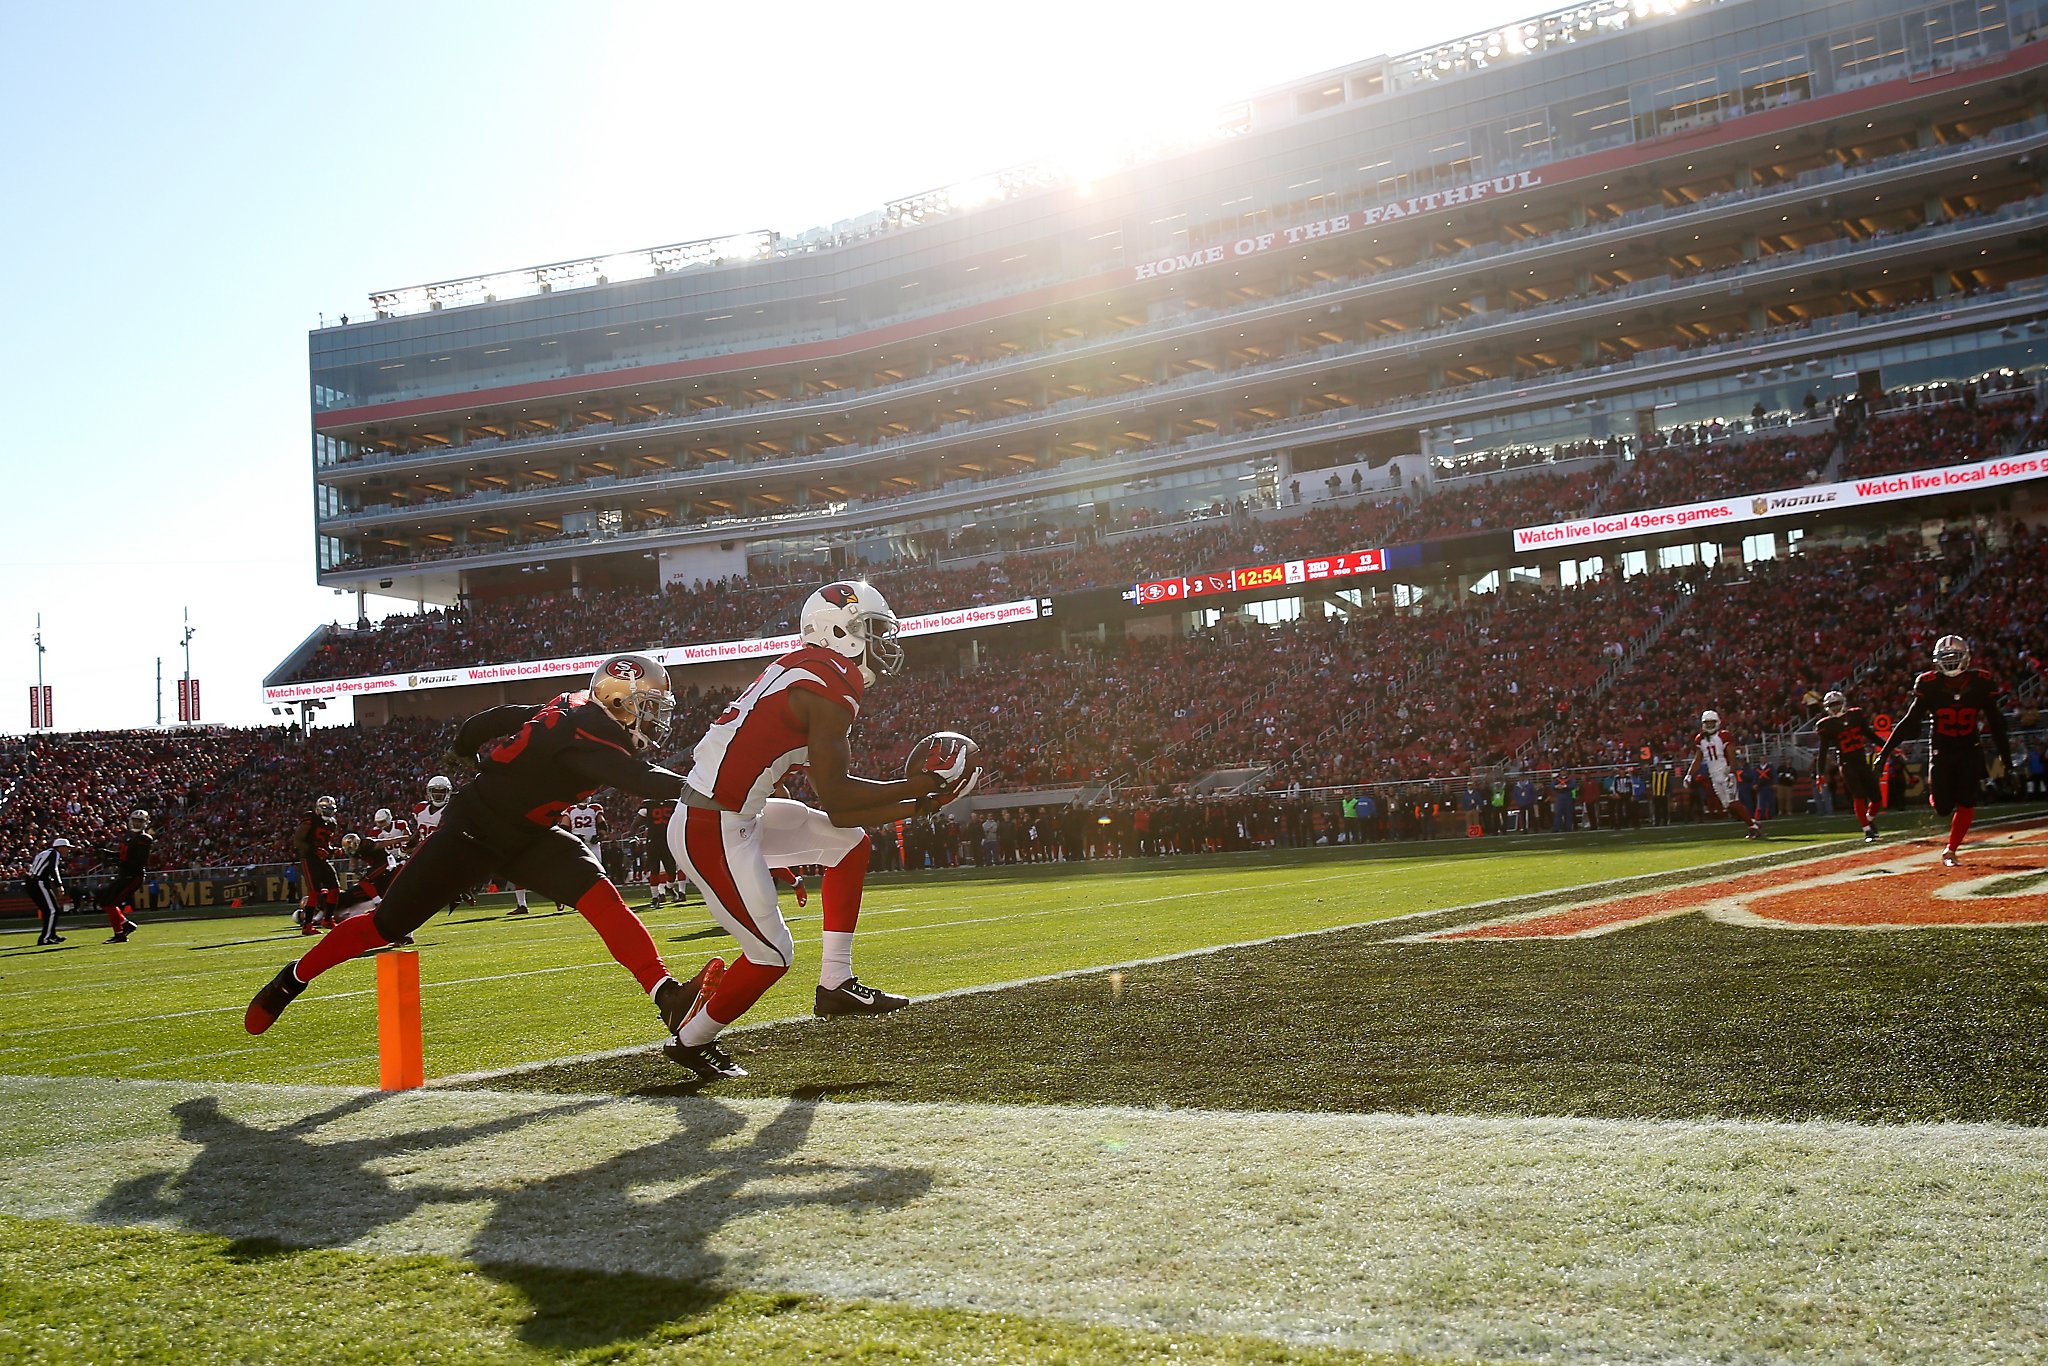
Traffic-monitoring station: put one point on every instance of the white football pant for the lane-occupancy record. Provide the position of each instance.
(728, 856)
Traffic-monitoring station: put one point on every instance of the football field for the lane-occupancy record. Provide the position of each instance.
(1661, 1097)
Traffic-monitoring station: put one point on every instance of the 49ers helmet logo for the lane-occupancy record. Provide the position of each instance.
(624, 668)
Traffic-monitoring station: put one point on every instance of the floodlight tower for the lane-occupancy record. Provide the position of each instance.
(186, 641)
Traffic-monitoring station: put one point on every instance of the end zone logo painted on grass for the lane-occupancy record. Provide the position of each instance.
(2003, 884)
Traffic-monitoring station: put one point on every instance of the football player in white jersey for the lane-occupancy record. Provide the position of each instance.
(729, 830)
(426, 815)
(391, 837)
(1715, 749)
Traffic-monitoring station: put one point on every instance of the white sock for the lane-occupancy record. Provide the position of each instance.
(835, 963)
(520, 897)
(701, 1029)
(655, 991)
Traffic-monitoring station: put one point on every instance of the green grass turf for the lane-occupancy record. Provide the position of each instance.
(1681, 1018)
(500, 991)
(97, 1295)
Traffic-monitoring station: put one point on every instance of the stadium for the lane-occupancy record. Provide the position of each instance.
(1330, 530)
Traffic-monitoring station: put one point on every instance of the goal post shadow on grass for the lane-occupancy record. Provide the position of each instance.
(603, 1253)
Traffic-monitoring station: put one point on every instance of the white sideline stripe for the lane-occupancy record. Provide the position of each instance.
(605, 1055)
(1543, 1239)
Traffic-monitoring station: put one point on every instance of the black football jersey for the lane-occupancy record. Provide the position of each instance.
(1956, 706)
(131, 854)
(1851, 735)
(542, 760)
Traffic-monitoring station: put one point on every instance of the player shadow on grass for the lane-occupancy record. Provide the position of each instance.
(275, 1188)
(604, 1253)
(649, 1215)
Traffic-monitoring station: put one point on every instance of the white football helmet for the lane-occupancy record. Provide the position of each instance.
(853, 619)
(438, 791)
(383, 818)
(324, 807)
(1951, 655)
(1710, 723)
(138, 820)
(1835, 703)
(633, 690)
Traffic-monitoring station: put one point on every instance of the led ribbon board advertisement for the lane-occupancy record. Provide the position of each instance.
(1757, 507)
(930, 624)
(1218, 582)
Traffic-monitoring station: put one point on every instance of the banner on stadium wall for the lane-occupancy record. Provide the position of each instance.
(929, 624)
(1285, 572)
(1393, 211)
(1757, 507)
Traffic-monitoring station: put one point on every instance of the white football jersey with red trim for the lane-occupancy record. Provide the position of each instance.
(758, 739)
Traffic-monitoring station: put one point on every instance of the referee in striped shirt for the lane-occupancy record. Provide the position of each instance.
(46, 887)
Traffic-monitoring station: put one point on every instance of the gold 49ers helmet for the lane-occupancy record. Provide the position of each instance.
(633, 689)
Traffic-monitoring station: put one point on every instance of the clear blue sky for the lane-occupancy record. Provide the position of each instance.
(189, 187)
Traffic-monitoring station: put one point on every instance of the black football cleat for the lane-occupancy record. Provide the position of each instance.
(279, 992)
(707, 1060)
(853, 997)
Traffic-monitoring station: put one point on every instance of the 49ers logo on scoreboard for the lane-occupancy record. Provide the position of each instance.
(2003, 884)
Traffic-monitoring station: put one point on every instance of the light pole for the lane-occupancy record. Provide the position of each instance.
(41, 650)
(186, 641)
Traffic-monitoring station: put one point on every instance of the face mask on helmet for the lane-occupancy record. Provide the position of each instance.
(138, 820)
(633, 690)
(1951, 655)
(1710, 722)
(438, 789)
(324, 807)
(1835, 703)
(854, 620)
(383, 818)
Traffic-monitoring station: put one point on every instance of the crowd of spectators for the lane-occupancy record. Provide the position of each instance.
(1716, 465)
(1754, 641)
(1950, 434)
(82, 786)
(1381, 697)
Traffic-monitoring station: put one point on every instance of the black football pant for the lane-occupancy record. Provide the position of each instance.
(465, 852)
(46, 908)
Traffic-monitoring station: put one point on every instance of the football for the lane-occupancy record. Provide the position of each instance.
(948, 753)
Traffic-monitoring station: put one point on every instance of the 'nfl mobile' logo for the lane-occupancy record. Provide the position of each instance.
(412, 680)
(1759, 506)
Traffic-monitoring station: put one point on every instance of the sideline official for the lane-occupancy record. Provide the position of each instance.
(46, 887)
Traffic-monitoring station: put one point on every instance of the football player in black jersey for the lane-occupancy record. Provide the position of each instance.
(1953, 699)
(130, 856)
(536, 761)
(317, 840)
(1848, 732)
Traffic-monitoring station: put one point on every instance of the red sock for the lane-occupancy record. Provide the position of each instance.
(841, 889)
(1741, 812)
(351, 938)
(623, 934)
(114, 918)
(743, 984)
(1959, 825)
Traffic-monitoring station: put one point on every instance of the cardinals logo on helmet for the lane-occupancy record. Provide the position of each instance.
(839, 594)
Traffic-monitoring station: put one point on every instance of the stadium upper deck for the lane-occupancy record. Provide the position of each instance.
(1610, 218)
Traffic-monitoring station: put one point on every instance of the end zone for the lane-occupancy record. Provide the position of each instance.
(2004, 884)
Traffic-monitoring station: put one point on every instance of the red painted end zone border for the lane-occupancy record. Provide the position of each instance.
(1895, 887)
